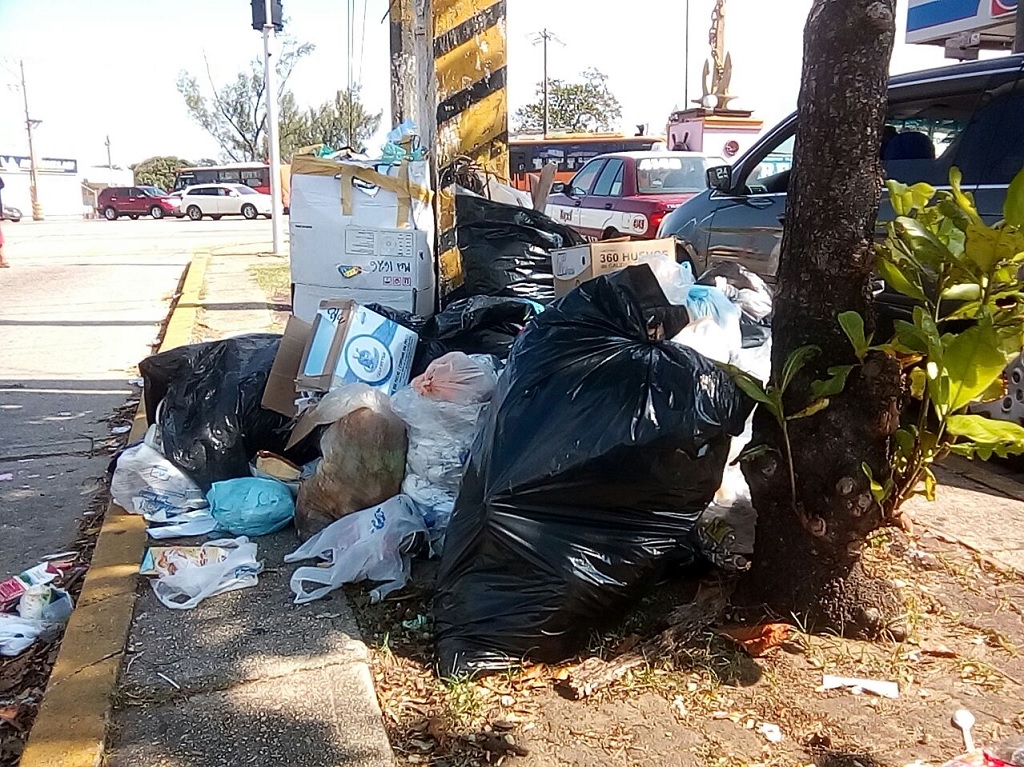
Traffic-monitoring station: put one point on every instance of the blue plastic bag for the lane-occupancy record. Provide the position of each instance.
(708, 301)
(251, 505)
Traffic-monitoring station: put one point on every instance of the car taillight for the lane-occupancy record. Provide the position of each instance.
(654, 222)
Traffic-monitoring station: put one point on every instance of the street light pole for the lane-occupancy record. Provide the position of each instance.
(37, 209)
(686, 58)
(270, 88)
(110, 165)
(545, 35)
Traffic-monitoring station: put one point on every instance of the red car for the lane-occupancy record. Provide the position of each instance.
(135, 201)
(627, 194)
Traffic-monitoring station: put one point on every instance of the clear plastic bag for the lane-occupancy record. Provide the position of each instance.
(145, 482)
(191, 582)
(457, 378)
(371, 544)
(363, 458)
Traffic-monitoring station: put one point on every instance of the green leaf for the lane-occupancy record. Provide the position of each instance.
(834, 384)
(1013, 206)
(989, 436)
(853, 325)
(815, 407)
(748, 384)
(911, 337)
(921, 194)
(927, 325)
(972, 360)
(749, 453)
(904, 439)
(994, 392)
(795, 362)
(898, 281)
(963, 201)
(879, 492)
(930, 484)
(984, 246)
(967, 291)
(918, 381)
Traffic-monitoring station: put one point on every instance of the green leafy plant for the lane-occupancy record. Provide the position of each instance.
(770, 397)
(968, 323)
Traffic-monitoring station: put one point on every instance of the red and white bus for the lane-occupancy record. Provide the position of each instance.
(527, 154)
(256, 175)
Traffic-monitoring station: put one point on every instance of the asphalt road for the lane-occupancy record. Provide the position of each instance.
(81, 304)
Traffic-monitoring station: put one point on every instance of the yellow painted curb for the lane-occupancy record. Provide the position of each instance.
(70, 728)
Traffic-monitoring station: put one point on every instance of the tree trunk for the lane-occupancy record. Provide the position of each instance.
(807, 553)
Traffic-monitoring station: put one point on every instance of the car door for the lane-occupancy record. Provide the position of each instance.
(564, 207)
(229, 202)
(138, 201)
(746, 226)
(600, 214)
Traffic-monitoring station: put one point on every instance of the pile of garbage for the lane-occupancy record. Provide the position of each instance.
(559, 434)
(35, 603)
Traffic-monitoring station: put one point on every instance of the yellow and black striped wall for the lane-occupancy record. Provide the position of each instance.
(472, 108)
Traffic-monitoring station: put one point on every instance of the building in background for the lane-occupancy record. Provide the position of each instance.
(963, 27)
(66, 190)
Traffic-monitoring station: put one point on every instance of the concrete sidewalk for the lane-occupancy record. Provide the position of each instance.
(247, 677)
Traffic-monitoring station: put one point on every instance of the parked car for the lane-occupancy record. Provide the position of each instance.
(135, 201)
(216, 200)
(628, 193)
(10, 213)
(970, 116)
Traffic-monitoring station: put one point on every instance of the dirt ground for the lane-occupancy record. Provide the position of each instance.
(708, 702)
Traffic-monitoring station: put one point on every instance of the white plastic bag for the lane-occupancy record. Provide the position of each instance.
(368, 545)
(191, 583)
(17, 633)
(145, 482)
(708, 338)
(459, 378)
(675, 278)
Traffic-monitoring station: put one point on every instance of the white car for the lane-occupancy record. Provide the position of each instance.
(216, 200)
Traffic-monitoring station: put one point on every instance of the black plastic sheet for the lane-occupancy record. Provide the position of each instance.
(211, 420)
(506, 250)
(602, 447)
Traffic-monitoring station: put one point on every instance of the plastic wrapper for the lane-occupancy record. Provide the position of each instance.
(211, 420)
(603, 444)
(442, 425)
(251, 506)
(750, 293)
(372, 544)
(194, 578)
(506, 249)
(363, 458)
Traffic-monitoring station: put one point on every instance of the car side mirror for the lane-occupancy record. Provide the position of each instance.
(720, 178)
(558, 188)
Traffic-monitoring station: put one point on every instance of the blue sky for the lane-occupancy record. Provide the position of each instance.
(108, 67)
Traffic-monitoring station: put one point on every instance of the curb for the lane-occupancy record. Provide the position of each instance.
(70, 728)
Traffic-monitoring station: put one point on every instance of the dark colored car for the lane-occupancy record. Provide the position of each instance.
(628, 193)
(10, 213)
(970, 116)
(135, 201)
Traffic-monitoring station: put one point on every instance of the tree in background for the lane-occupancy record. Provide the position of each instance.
(158, 171)
(815, 513)
(344, 121)
(235, 114)
(573, 106)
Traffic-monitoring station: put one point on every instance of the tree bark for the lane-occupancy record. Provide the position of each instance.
(807, 552)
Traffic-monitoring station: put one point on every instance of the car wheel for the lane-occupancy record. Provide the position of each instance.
(194, 212)
(110, 214)
(249, 211)
(216, 218)
(610, 234)
(133, 216)
(156, 212)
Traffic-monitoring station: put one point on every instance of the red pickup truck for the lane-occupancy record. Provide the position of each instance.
(628, 193)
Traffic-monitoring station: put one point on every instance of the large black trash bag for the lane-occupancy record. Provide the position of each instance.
(601, 449)
(477, 325)
(506, 250)
(211, 421)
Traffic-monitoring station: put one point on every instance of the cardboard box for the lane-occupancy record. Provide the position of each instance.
(306, 299)
(347, 343)
(574, 266)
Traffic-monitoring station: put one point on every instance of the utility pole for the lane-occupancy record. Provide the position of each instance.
(542, 38)
(270, 88)
(686, 57)
(30, 124)
(110, 164)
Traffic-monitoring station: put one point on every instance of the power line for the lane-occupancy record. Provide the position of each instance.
(542, 38)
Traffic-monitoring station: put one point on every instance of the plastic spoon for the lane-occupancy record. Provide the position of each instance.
(964, 721)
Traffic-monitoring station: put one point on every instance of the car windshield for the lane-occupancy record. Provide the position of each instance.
(153, 191)
(670, 175)
(244, 190)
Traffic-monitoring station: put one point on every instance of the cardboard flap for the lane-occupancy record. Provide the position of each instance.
(279, 394)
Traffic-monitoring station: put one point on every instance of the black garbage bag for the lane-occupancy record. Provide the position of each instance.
(753, 296)
(211, 420)
(506, 250)
(601, 449)
(477, 325)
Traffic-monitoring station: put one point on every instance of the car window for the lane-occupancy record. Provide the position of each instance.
(771, 174)
(245, 190)
(609, 183)
(583, 180)
(668, 174)
(223, 191)
(990, 149)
